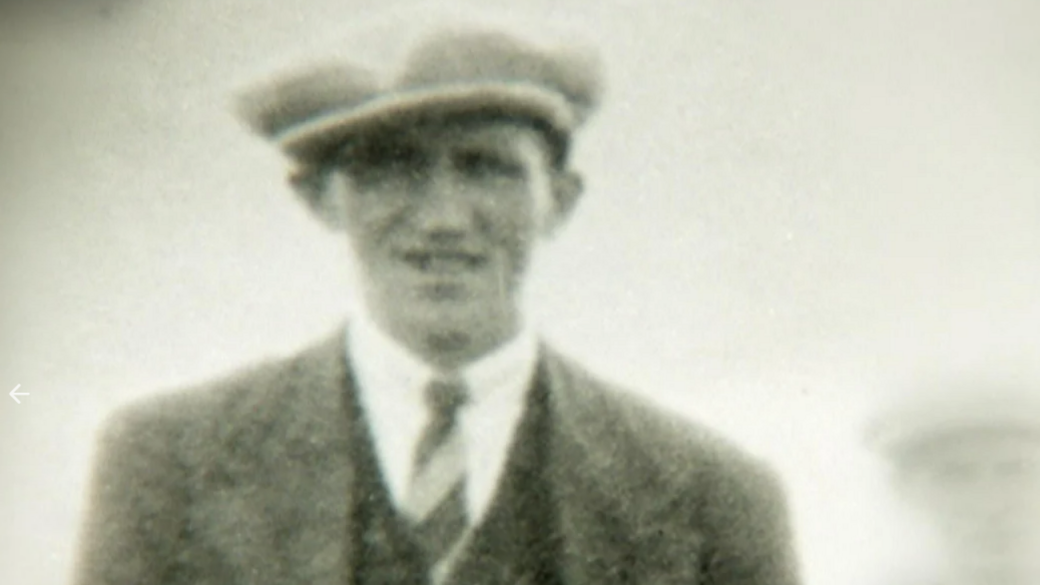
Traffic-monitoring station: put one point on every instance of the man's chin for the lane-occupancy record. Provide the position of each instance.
(447, 307)
(444, 304)
(450, 307)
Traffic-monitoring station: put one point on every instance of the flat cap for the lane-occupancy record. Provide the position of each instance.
(447, 66)
(954, 410)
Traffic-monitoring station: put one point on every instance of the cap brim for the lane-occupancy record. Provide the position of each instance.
(320, 134)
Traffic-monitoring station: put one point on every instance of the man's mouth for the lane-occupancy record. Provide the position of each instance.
(443, 261)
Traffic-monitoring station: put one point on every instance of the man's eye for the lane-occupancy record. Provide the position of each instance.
(385, 158)
(487, 165)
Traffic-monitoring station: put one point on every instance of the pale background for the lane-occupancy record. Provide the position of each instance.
(788, 204)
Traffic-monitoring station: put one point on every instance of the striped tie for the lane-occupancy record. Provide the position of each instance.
(436, 501)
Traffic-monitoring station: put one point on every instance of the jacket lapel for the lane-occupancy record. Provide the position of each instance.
(614, 529)
(318, 431)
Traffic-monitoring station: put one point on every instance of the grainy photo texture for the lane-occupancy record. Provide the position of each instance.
(543, 292)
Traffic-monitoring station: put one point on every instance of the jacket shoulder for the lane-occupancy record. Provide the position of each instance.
(681, 477)
(240, 401)
(678, 455)
(663, 437)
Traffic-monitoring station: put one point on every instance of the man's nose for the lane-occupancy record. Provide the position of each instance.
(446, 208)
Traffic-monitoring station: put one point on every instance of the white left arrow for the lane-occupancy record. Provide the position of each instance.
(15, 394)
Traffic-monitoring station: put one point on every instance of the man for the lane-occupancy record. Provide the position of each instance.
(435, 439)
(966, 456)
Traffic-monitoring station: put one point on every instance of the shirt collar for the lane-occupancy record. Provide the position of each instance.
(384, 363)
(391, 382)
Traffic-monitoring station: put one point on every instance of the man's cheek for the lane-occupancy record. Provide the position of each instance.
(518, 242)
(375, 222)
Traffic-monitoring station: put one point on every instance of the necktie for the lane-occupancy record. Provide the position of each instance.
(436, 501)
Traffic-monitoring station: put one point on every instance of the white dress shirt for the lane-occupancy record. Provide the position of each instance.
(391, 383)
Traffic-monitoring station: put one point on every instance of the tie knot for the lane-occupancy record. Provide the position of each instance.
(444, 395)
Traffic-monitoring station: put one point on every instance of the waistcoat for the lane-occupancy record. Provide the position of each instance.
(515, 542)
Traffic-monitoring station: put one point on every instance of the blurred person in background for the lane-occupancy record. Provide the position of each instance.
(434, 439)
(965, 457)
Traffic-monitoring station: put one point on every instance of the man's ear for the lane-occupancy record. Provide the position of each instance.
(567, 189)
(323, 192)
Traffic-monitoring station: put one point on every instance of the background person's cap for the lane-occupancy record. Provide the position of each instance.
(954, 410)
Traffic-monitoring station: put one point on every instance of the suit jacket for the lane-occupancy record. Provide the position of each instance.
(248, 481)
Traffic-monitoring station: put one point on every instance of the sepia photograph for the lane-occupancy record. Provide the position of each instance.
(541, 292)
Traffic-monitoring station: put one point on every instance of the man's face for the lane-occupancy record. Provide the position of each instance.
(982, 495)
(443, 218)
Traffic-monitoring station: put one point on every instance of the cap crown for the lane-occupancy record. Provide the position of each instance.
(446, 67)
